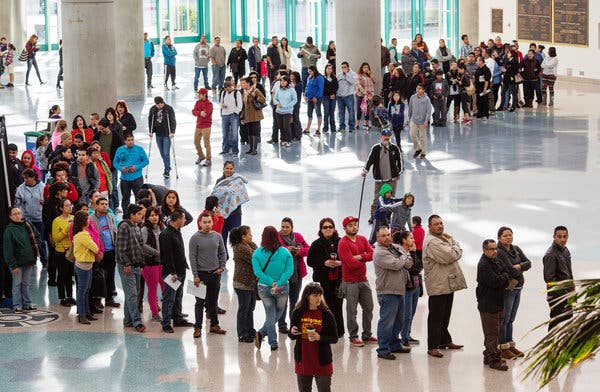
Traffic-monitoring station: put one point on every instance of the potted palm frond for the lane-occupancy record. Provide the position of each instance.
(572, 341)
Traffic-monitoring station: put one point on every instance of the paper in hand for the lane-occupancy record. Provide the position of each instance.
(199, 291)
(169, 281)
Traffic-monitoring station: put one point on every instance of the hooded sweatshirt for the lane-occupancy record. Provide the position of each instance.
(30, 199)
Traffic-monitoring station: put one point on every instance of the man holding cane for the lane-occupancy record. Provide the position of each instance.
(161, 121)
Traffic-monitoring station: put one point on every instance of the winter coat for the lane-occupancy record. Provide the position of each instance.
(443, 274)
(203, 105)
(319, 252)
(17, 248)
(395, 161)
(391, 266)
(510, 258)
(492, 281)
(30, 199)
(249, 112)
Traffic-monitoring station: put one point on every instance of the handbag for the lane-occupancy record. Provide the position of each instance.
(518, 78)
(24, 56)
(263, 270)
(69, 255)
(470, 89)
(258, 105)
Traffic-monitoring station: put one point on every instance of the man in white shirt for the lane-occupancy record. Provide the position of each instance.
(231, 105)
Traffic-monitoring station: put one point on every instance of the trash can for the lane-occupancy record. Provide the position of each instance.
(31, 138)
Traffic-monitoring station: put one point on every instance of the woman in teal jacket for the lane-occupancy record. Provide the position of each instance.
(284, 101)
(21, 250)
(273, 265)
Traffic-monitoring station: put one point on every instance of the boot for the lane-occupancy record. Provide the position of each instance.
(528, 102)
(551, 103)
(250, 144)
(518, 353)
(496, 362)
(254, 144)
(506, 352)
(543, 98)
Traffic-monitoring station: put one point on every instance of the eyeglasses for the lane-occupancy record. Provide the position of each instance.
(327, 227)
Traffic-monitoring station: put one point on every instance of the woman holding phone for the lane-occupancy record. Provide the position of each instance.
(314, 330)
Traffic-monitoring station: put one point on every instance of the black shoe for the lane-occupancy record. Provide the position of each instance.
(272, 141)
(72, 301)
(113, 304)
(91, 317)
(402, 350)
(413, 341)
(274, 348)
(221, 310)
(284, 330)
(65, 303)
(245, 340)
(168, 329)
(182, 323)
(416, 154)
(95, 310)
(386, 356)
(52, 283)
(29, 308)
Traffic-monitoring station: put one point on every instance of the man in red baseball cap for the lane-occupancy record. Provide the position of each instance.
(354, 252)
(203, 112)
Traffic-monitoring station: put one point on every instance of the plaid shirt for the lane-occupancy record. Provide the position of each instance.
(129, 248)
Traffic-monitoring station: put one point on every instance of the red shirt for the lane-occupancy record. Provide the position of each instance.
(72, 195)
(353, 270)
(206, 106)
(419, 236)
(218, 222)
(309, 364)
(88, 134)
(102, 187)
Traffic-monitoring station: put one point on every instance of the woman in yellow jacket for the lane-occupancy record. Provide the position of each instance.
(60, 238)
(84, 249)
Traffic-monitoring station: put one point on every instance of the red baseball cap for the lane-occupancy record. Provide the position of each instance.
(349, 219)
(203, 91)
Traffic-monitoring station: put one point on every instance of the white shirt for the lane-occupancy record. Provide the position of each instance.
(229, 101)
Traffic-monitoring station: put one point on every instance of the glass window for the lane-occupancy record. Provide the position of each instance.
(330, 21)
(150, 18)
(431, 24)
(36, 20)
(184, 17)
(276, 17)
(53, 22)
(400, 21)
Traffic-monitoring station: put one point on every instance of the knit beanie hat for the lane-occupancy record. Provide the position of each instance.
(385, 188)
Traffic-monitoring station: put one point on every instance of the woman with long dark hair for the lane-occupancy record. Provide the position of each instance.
(314, 97)
(113, 123)
(237, 60)
(171, 203)
(152, 271)
(251, 115)
(444, 56)
(124, 117)
(330, 88)
(327, 269)
(365, 89)
(32, 48)
(244, 281)
(61, 242)
(273, 265)
(80, 127)
(84, 250)
(314, 330)
(285, 53)
(331, 54)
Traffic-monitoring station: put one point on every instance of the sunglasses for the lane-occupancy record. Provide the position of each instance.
(327, 227)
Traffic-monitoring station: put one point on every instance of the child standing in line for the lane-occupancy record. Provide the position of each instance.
(381, 215)
(418, 235)
(9, 62)
(378, 114)
(396, 113)
(439, 91)
(264, 72)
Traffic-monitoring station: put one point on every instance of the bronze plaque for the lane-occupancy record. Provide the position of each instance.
(534, 20)
(571, 22)
(497, 20)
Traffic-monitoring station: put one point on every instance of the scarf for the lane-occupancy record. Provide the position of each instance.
(232, 193)
(32, 239)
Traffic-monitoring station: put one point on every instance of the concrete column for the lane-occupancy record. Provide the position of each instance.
(358, 34)
(468, 20)
(220, 20)
(89, 56)
(13, 22)
(130, 48)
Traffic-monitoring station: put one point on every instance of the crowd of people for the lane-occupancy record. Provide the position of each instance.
(66, 208)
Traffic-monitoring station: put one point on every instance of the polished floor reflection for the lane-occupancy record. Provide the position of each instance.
(529, 170)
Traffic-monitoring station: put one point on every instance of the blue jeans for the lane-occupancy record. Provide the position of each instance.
(391, 314)
(510, 90)
(20, 287)
(131, 286)
(32, 62)
(231, 222)
(171, 302)
(410, 306)
(126, 188)
(231, 123)
(245, 313)
(314, 106)
(512, 299)
(164, 147)
(218, 77)
(329, 112)
(346, 103)
(84, 283)
(274, 307)
(293, 298)
(204, 72)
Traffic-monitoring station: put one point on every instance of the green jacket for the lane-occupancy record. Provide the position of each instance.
(18, 251)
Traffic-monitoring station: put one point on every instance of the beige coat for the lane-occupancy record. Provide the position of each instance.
(285, 57)
(249, 112)
(443, 274)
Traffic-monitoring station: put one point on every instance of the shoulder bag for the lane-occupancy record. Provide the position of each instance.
(69, 255)
(24, 56)
(264, 268)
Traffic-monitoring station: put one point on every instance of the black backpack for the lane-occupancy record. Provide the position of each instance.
(235, 95)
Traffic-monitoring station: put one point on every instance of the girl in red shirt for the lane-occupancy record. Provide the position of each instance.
(314, 329)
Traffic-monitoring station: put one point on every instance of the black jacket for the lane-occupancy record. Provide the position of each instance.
(172, 252)
(166, 125)
(273, 54)
(492, 281)
(512, 257)
(399, 84)
(117, 141)
(395, 161)
(319, 252)
(328, 337)
(15, 177)
(252, 59)
(237, 60)
(557, 265)
(531, 69)
(330, 87)
(128, 121)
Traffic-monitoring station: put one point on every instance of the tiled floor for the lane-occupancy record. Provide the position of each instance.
(530, 170)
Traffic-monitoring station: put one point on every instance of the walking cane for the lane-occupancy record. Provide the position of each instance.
(173, 148)
(361, 199)
(150, 145)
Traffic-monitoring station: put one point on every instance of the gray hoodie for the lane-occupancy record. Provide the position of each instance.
(30, 200)
(419, 109)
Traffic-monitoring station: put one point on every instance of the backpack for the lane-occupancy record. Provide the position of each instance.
(235, 95)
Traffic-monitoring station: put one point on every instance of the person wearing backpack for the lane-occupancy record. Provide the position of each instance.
(231, 106)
